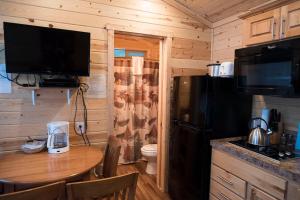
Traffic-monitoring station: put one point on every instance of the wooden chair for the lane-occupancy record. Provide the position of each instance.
(111, 157)
(118, 187)
(54, 191)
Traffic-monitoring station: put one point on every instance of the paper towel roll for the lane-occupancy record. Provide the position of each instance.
(265, 114)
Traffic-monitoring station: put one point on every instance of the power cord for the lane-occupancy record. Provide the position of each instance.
(84, 136)
(16, 80)
(83, 88)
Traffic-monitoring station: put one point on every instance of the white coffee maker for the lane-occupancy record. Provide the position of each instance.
(58, 137)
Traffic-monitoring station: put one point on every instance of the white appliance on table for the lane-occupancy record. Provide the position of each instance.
(58, 137)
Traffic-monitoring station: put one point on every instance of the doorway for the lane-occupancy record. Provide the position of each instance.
(136, 91)
(163, 97)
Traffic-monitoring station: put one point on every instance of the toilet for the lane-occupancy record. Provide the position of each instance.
(149, 151)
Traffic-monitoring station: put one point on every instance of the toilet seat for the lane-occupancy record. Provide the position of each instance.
(149, 150)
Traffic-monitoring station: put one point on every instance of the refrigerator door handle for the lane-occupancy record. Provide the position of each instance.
(184, 125)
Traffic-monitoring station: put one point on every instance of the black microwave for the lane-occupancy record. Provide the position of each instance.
(269, 69)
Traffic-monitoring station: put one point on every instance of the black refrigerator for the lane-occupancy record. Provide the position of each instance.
(203, 108)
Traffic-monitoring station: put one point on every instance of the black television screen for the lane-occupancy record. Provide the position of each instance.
(40, 50)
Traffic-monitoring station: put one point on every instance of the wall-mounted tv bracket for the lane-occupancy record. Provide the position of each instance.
(33, 95)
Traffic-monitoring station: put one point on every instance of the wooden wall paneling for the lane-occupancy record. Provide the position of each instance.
(197, 15)
(164, 114)
(289, 107)
(188, 72)
(190, 49)
(98, 9)
(188, 63)
(96, 33)
(110, 79)
(227, 38)
(77, 18)
(160, 176)
(146, 44)
(220, 9)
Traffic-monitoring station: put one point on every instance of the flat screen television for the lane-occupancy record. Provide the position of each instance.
(40, 50)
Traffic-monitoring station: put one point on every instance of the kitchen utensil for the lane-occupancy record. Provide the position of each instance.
(259, 136)
(265, 115)
(276, 125)
(277, 131)
(214, 69)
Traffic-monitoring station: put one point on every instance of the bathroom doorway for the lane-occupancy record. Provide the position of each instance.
(136, 93)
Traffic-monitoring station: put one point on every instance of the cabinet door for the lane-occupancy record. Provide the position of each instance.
(293, 191)
(257, 194)
(290, 20)
(262, 28)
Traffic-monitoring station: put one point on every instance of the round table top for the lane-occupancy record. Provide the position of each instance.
(43, 167)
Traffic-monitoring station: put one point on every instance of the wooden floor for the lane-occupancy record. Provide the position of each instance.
(146, 186)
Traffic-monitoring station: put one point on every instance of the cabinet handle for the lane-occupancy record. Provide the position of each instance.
(253, 195)
(283, 28)
(225, 180)
(273, 28)
(223, 196)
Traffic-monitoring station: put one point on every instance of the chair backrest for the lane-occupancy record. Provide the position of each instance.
(123, 186)
(54, 191)
(111, 158)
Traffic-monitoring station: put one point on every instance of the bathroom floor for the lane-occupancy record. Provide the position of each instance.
(146, 186)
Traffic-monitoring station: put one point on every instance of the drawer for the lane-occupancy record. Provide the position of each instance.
(212, 197)
(252, 174)
(221, 192)
(229, 180)
(257, 194)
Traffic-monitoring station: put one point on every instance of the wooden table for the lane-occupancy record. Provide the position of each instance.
(41, 168)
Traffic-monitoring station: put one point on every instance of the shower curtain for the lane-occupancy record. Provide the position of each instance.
(135, 105)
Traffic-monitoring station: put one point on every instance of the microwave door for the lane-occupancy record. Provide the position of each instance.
(265, 71)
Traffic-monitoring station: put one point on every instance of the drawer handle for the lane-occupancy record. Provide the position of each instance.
(225, 180)
(273, 29)
(223, 196)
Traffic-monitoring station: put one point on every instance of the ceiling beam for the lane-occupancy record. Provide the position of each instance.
(189, 12)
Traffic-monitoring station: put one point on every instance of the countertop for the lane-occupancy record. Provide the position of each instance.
(288, 169)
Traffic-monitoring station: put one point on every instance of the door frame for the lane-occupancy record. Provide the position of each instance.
(163, 120)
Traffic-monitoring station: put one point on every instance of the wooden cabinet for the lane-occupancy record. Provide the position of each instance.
(229, 180)
(236, 179)
(257, 194)
(290, 20)
(222, 192)
(262, 28)
(280, 23)
(293, 191)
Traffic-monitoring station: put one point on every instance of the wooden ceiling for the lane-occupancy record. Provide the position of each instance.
(215, 10)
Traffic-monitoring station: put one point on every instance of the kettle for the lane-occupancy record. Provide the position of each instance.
(259, 136)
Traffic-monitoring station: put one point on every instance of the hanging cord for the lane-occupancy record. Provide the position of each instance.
(83, 88)
(14, 80)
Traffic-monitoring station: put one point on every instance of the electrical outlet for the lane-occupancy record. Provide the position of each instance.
(77, 125)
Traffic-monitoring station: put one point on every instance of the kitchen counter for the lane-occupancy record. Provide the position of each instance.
(288, 169)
